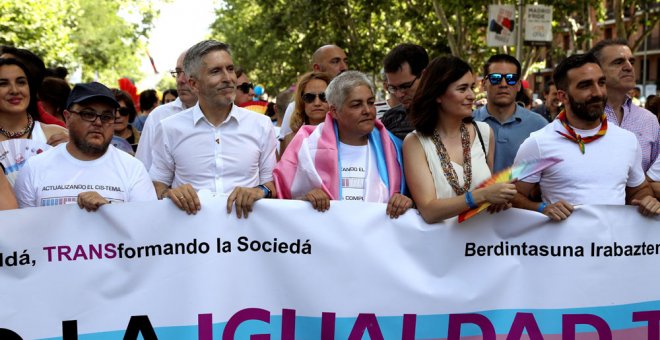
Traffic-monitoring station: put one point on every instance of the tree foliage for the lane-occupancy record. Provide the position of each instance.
(102, 37)
(274, 39)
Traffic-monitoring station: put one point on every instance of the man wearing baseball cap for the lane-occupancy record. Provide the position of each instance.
(87, 170)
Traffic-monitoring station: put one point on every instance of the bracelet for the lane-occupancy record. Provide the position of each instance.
(541, 207)
(267, 192)
(470, 200)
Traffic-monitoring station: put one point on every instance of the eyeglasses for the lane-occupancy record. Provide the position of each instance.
(106, 117)
(176, 73)
(496, 78)
(245, 87)
(124, 111)
(311, 97)
(403, 87)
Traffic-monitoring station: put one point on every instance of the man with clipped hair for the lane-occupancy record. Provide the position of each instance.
(403, 67)
(601, 162)
(511, 123)
(618, 64)
(215, 145)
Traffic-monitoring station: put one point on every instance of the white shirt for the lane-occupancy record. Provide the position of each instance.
(654, 171)
(55, 177)
(286, 121)
(146, 144)
(240, 152)
(360, 180)
(599, 176)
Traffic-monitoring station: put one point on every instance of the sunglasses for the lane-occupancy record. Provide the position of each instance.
(124, 111)
(245, 87)
(509, 78)
(311, 97)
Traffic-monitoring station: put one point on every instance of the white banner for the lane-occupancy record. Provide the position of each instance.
(289, 272)
(538, 23)
(502, 25)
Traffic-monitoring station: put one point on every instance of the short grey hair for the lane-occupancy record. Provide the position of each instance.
(193, 58)
(343, 84)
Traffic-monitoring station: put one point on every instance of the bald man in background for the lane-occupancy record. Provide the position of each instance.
(330, 59)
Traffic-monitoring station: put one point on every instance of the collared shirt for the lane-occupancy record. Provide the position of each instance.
(240, 152)
(145, 147)
(510, 134)
(643, 124)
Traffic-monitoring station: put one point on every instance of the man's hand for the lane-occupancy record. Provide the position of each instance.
(398, 205)
(185, 197)
(319, 199)
(244, 198)
(648, 206)
(91, 200)
(495, 208)
(558, 211)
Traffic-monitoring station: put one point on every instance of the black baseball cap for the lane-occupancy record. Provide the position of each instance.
(86, 91)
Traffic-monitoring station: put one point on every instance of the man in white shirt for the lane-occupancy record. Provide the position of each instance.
(87, 170)
(215, 145)
(185, 100)
(601, 162)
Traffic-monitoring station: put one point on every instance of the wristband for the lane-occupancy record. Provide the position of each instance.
(470, 200)
(267, 192)
(541, 207)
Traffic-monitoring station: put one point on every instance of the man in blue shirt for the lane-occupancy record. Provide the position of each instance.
(511, 123)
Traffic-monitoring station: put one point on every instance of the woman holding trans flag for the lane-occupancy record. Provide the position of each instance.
(350, 156)
(458, 151)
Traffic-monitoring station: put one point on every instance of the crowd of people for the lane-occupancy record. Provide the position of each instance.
(429, 146)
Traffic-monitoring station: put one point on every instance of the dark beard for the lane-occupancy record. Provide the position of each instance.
(589, 111)
(89, 149)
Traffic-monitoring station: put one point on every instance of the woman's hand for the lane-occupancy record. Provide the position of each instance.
(499, 193)
(398, 205)
(319, 199)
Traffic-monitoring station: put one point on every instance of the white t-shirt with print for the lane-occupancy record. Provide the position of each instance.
(55, 177)
(360, 180)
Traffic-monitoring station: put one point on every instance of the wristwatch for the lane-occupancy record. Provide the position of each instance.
(267, 192)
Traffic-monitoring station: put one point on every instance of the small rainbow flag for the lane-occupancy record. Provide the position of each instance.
(515, 172)
(258, 106)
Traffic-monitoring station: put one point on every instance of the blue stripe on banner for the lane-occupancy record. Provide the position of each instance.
(428, 326)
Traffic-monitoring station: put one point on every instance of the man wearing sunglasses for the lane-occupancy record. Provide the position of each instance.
(87, 171)
(185, 100)
(511, 123)
(403, 68)
(244, 88)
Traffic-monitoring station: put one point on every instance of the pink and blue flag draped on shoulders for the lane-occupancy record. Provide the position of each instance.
(312, 161)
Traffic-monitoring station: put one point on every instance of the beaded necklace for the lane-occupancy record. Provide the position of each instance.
(448, 169)
(18, 134)
(579, 140)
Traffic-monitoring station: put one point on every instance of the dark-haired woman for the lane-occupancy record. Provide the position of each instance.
(18, 116)
(458, 152)
(126, 113)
